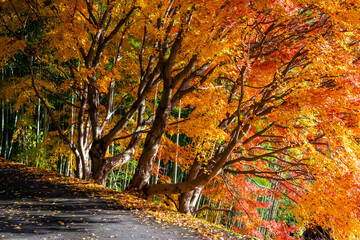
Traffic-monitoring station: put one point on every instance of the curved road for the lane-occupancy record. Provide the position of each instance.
(31, 208)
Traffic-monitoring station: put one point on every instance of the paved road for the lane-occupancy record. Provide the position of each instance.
(34, 209)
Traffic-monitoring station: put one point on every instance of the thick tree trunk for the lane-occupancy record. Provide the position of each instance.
(2, 125)
(85, 167)
(188, 200)
(185, 202)
(101, 173)
(82, 169)
(106, 164)
(152, 143)
(101, 165)
(98, 162)
(78, 168)
(202, 178)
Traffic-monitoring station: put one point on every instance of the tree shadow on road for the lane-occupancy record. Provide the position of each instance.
(32, 206)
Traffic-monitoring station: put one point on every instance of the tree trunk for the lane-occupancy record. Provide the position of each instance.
(185, 202)
(102, 172)
(152, 143)
(97, 154)
(85, 167)
(12, 133)
(202, 178)
(78, 168)
(188, 200)
(106, 164)
(2, 125)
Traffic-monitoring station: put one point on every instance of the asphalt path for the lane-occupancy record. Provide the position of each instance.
(31, 208)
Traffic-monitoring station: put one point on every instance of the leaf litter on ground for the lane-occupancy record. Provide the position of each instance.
(148, 210)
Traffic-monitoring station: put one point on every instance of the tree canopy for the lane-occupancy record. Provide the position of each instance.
(245, 99)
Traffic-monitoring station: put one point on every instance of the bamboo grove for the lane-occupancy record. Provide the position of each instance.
(242, 112)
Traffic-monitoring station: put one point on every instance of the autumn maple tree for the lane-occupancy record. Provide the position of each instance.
(264, 92)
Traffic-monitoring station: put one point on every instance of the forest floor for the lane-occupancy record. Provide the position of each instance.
(39, 204)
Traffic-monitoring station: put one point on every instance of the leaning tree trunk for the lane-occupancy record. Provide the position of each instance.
(202, 177)
(152, 142)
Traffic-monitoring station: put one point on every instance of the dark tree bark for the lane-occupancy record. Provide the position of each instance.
(152, 142)
(188, 200)
(108, 163)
